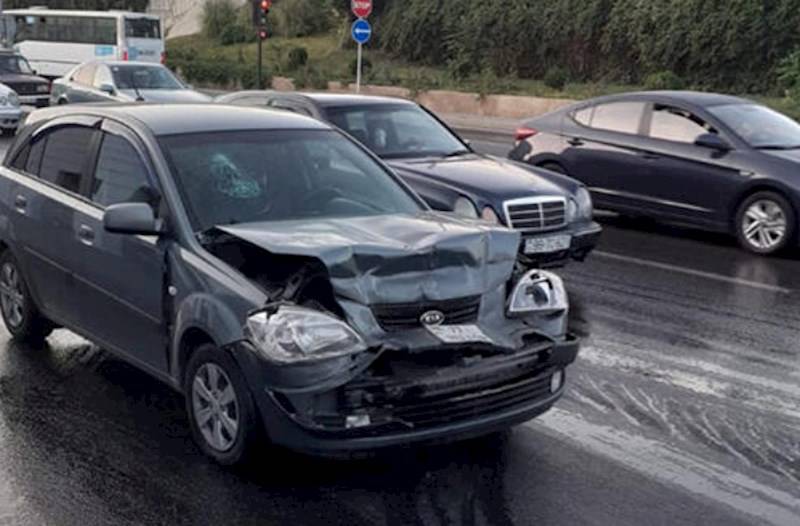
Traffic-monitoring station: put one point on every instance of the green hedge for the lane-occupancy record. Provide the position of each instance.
(723, 44)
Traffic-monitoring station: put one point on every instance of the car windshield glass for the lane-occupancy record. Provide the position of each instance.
(14, 64)
(144, 77)
(249, 176)
(396, 131)
(759, 126)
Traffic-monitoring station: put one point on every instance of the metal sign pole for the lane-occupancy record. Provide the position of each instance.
(358, 71)
(258, 74)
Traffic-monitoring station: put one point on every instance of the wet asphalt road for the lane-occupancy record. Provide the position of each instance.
(684, 408)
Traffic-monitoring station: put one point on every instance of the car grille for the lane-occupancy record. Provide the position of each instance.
(400, 316)
(26, 88)
(436, 409)
(536, 214)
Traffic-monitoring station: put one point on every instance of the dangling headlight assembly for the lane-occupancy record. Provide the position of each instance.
(538, 292)
(296, 334)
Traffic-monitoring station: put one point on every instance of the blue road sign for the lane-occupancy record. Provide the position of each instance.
(361, 31)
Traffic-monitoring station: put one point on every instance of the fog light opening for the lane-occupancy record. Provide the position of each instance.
(556, 381)
(356, 421)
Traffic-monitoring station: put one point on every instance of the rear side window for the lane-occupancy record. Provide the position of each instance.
(674, 124)
(622, 117)
(65, 157)
(120, 176)
(85, 75)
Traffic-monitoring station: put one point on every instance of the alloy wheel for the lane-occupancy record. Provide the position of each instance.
(12, 298)
(215, 407)
(764, 225)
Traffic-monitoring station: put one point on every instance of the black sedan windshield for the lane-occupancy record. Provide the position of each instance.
(396, 130)
(248, 176)
(144, 77)
(759, 126)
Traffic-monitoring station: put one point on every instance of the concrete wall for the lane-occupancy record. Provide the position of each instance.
(180, 17)
(511, 107)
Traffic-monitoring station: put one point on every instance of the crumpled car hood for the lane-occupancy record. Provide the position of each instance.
(395, 258)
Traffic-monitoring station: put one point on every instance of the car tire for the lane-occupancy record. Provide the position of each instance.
(554, 167)
(765, 223)
(22, 318)
(213, 412)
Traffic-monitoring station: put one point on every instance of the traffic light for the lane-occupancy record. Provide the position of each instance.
(260, 11)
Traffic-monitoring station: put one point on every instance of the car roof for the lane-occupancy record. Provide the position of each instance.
(696, 98)
(327, 99)
(170, 119)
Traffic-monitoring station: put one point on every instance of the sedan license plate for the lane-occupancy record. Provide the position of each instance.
(459, 333)
(545, 245)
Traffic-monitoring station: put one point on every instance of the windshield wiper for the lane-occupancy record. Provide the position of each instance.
(458, 153)
(779, 147)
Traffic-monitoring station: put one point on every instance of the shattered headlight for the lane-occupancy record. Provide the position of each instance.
(538, 292)
(296, 334)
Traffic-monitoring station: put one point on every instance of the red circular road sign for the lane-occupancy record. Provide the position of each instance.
(361, 8)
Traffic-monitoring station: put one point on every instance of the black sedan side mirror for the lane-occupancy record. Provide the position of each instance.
(132, 218)
(712, 141)
(107, 88)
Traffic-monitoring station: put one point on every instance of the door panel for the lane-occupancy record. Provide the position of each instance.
(121, 277)
(604, 151)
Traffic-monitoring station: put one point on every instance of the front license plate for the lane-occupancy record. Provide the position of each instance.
(459, 334)
(544, 245)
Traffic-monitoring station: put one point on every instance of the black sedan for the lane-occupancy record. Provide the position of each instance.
(712, 161)
(553, 212)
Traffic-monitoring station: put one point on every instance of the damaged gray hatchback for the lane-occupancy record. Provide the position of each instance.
(277, 274)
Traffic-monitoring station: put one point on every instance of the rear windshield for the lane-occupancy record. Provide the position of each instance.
(142, 28)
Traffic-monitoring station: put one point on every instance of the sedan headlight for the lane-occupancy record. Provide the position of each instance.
(13, 99)
(465, 207)
(583, 203)
(538, 292)
(296, 334)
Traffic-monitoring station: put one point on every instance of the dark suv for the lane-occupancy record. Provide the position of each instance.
(17, 74)
(279, 275)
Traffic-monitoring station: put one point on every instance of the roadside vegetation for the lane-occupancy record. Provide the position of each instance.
(548, 48)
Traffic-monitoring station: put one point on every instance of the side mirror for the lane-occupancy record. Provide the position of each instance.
(712, 141)
(107, 88)
(131, 218)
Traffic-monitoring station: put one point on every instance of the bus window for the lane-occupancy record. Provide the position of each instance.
(142, 28)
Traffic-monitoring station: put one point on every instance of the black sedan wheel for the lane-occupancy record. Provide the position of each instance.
(23, 320)
(221, 410)
(765, 223)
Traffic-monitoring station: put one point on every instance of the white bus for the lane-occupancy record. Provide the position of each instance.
(55, 41)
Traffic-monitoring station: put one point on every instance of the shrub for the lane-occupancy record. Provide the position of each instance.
(300, 18)
(296, 58)
(556, 78)
(789, 75)
(366, 66)
(311, 77)
(225, 23)
(663, 80)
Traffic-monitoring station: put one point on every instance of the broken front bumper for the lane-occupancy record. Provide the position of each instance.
(406, 398)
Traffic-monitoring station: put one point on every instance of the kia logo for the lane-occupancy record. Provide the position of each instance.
(432, 317)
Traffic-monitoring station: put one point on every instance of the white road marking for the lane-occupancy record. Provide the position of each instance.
(692, 272)
(663, 462)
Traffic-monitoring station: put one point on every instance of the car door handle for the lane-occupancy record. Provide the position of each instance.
(575, 142)
(86, 235)
(21, 204)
